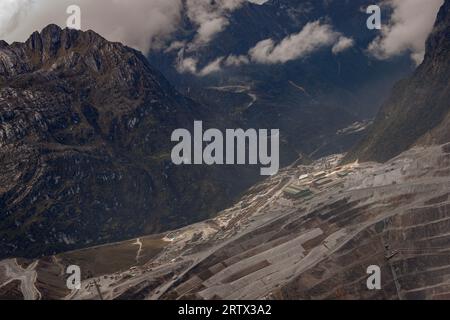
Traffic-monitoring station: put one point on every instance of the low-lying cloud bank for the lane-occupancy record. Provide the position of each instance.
(314, 36)
(408, 29)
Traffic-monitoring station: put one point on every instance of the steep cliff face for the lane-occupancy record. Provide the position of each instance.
(85, 128)
(418, 110)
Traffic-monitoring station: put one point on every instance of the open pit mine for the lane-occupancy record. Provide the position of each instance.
(309, 232)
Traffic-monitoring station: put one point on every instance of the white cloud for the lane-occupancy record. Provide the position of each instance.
(186, 65)
(311, 38)
(236, 61)
(176, 45)
(208, 29)
(212, 67)
(408, 29)
(211, 18)
(11, 12)
(343, 44)
(260, 2)
(189, 65)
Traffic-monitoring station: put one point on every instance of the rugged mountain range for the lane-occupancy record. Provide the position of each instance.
(418, 110)
(85, 127)
(310, 98)
(309, 232)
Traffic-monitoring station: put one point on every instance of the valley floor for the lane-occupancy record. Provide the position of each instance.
(310, 232)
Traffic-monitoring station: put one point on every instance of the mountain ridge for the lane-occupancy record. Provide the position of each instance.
(418, 109)
(85, 135)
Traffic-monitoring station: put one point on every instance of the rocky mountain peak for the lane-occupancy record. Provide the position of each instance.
(55, 49)
(85, 141)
